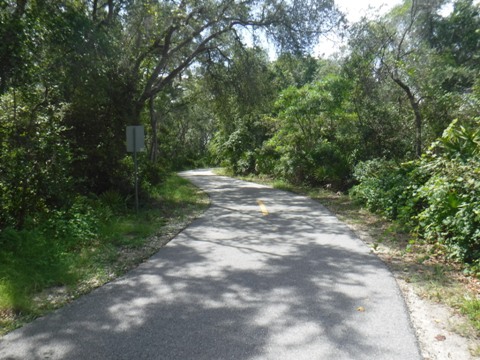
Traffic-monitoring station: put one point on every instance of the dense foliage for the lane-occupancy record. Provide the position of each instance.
(452, 192)
(394, 118)
(75, 73)
(438, 195)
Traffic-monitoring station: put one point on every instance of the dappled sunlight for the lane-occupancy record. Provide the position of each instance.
(240, 285)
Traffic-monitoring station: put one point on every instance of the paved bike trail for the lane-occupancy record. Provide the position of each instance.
(263, 274)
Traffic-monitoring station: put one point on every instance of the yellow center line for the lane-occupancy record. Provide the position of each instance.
(263, 208)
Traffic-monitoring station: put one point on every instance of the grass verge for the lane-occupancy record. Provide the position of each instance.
(45, 269)
(424, 266)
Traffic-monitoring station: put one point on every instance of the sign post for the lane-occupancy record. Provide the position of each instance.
(135, 143)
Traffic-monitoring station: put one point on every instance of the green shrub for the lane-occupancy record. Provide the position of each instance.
(153, 173)
(265, 159)
(35, 159)
(31, 260)
(389, 188)
(437, 196)
(113, 202)
(72, 227)
(330, 165)
(452, 216)
(453, 213)
(322, 164)
(246, 163)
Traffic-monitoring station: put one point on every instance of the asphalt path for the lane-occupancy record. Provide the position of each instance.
(263, 274)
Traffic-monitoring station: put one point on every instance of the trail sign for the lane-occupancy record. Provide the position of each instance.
(135, 143)
(135, 138)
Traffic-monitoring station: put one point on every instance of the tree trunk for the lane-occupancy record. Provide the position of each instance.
(153, 124)
(111, 10)
(414, 103)
(94, 10)
(418, 128)
(20, 9)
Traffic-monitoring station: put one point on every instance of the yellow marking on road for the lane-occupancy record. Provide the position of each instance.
(263, 208)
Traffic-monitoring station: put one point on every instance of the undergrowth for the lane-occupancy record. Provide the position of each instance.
(75, 250)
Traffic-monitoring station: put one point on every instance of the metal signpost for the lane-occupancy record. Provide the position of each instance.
(135, 143)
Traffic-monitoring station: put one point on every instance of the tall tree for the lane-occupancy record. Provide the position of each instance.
(242, 92)
(397, 53)
(164, 38)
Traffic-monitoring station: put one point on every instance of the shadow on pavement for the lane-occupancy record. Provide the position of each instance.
(295, 284)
